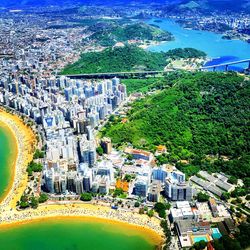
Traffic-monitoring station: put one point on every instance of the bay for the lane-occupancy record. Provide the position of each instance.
(218, 49)
(74, 234)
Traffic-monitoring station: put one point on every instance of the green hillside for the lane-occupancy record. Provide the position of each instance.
(127, 58)
(203, 118)
(109, 35)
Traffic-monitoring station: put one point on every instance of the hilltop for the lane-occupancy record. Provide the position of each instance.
(127, 58)
(109, 35)
(206, 6)
(119, 59)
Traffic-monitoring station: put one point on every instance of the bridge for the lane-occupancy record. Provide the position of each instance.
(143, 74)
(226, 65)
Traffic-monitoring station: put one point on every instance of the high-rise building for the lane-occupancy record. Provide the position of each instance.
(141, 187)
(71, 186)
(159, 173)
(79, 184)
(106, 145)
(178, 191)
(87, 183)
(154, 191)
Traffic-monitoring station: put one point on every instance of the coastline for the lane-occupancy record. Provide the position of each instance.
(25, 141)
(44, 212)
(9, 216)
(148, 234)
(11, 165)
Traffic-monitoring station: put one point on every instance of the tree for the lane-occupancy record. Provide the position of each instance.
(239, 200)
(38, 154)
(225, 196)
(244, 235)
(99, 151)
(150, 213)
(24, 204)
(24, 201)
(34, 167)
(162, 214)
(168, 206)
(24, 198)
(160, 208)
(137, 204)
(233, 180)
(202, 197)
(43, 198)
(33, 202)
(128, 177)
(112, 118)
(229, 243)
(86, 197)
(167, 232)
(130, 157)
(232, 209)
(117, 192)
(200, 245)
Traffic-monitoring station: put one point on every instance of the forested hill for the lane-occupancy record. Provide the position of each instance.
(204, 119)
(127, 58)
(109, 35)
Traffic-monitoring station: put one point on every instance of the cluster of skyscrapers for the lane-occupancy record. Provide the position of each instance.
(68, 111)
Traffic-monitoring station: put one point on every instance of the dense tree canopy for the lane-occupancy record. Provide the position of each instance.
(128, 58)
(185, 53)
(203, 119)
(86, 197)
(34, 167)
(122, 59)
(202, 197)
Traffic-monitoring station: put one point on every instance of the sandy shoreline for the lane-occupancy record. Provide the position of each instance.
(25, 142)
(150, 235)
(9, 216)
(142, 222)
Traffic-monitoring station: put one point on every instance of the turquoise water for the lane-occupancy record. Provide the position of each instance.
(216, 233)
(73, 234)
(200, 238)
(8, 153)
(216, 48)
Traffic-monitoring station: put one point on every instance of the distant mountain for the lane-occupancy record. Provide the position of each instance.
(23, 3)
(169, 5)
(211, 5)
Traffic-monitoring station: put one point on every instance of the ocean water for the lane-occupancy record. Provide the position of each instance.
(218, 50)
(73, 234)
(8, 151)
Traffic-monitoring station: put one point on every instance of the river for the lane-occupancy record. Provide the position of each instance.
(218, 50)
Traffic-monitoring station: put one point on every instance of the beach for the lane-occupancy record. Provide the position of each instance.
(25, 143)
(10, 216)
